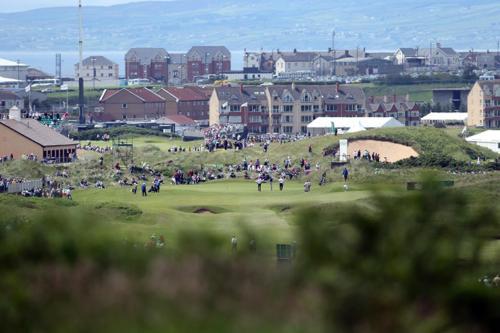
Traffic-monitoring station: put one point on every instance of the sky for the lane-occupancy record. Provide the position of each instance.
(9, 6)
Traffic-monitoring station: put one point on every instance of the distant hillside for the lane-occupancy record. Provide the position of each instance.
(239, 24)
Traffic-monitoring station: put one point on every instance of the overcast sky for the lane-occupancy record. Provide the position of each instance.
(15, 6)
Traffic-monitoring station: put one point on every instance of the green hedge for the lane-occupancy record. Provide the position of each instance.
(116, 132)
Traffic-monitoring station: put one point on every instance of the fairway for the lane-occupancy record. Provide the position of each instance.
(224, 207)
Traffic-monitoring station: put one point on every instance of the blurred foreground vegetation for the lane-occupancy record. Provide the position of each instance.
(394, 263)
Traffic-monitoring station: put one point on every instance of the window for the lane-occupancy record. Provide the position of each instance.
(306, 108)
(287, 119)
(331, 107)
(306, 119)
(303, 129)
(287, 108)
(124, 106)
(287, 129)
(234, 108)
(276, 109)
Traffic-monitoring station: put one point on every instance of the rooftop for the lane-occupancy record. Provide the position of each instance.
(36, 132)
(487, 136)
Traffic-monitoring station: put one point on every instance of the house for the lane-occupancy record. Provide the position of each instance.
(446, 118)
(186, 101)
(206, 60)
(129, 104)
(294, 106)
(366, 66)
(488, 139)
(324, 125)
(98, 71)
(295, 62)
(248, 74)
(23, 137)
(147, 63)
(36, 74)
(409, 58)
(13, 70)
(177, 69)
(438, 57)
(483, 104)
(399, 108)
(450, 99)
(240, 106)
(181, 123)
(481, 60)
(8, 99)
(283, 108)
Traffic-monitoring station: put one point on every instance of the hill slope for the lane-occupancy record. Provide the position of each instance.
(239, 24)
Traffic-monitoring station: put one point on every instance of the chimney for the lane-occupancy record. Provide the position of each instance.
(346, 53)
(385, 99)
(293, 86)
(294, 50)
(337, 87)
(407, 98)
(372, 99)
(241, 88)
(395, 98)
(15, 113)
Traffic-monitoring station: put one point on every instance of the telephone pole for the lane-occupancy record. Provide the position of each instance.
(81, 117)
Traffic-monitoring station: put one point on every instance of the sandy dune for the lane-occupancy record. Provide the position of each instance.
(388, 151)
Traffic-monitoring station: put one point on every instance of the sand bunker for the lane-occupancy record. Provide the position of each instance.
(388, 151)
(203, 211)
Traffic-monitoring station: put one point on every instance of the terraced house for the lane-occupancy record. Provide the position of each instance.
(400, 108)
(284, 108)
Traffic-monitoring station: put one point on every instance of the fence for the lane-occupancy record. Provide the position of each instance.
(25, 186)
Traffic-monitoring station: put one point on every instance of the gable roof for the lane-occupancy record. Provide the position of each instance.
(408, 52)
(298, 56)
(178, 119)
(38, 133)
(7, 95)
(183, 94)
(238, 95)
(144, 94)
(97, 61)
(5, 62)
(210, 51)
(146, 54)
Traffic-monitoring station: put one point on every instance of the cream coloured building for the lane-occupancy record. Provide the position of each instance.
(98, 71)
(483, 104)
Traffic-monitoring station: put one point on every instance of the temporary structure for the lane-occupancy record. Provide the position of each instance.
(323, 125)
(488, 139)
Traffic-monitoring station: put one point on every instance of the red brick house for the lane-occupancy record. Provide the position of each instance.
(147, 63)
(204, 60)
(191, 102)
(398, 107)
(129, 104)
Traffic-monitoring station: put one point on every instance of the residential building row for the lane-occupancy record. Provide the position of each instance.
(158, 65)
(134, 104)
(289, 109)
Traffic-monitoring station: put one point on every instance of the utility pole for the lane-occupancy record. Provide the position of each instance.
(334, 67)
(80, 79)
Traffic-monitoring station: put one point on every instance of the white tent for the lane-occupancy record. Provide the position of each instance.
(445, 118)
(323, 125)
(488, 139)
(356, 128)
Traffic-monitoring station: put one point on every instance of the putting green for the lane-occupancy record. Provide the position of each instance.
(224, 207)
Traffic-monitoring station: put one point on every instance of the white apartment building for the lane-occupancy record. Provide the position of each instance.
(98, 71)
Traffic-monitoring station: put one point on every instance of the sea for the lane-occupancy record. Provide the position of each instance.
(46, 60)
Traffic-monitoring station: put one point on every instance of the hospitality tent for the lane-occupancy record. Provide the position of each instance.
(488, 139)
(324, 125)
(445, 118)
